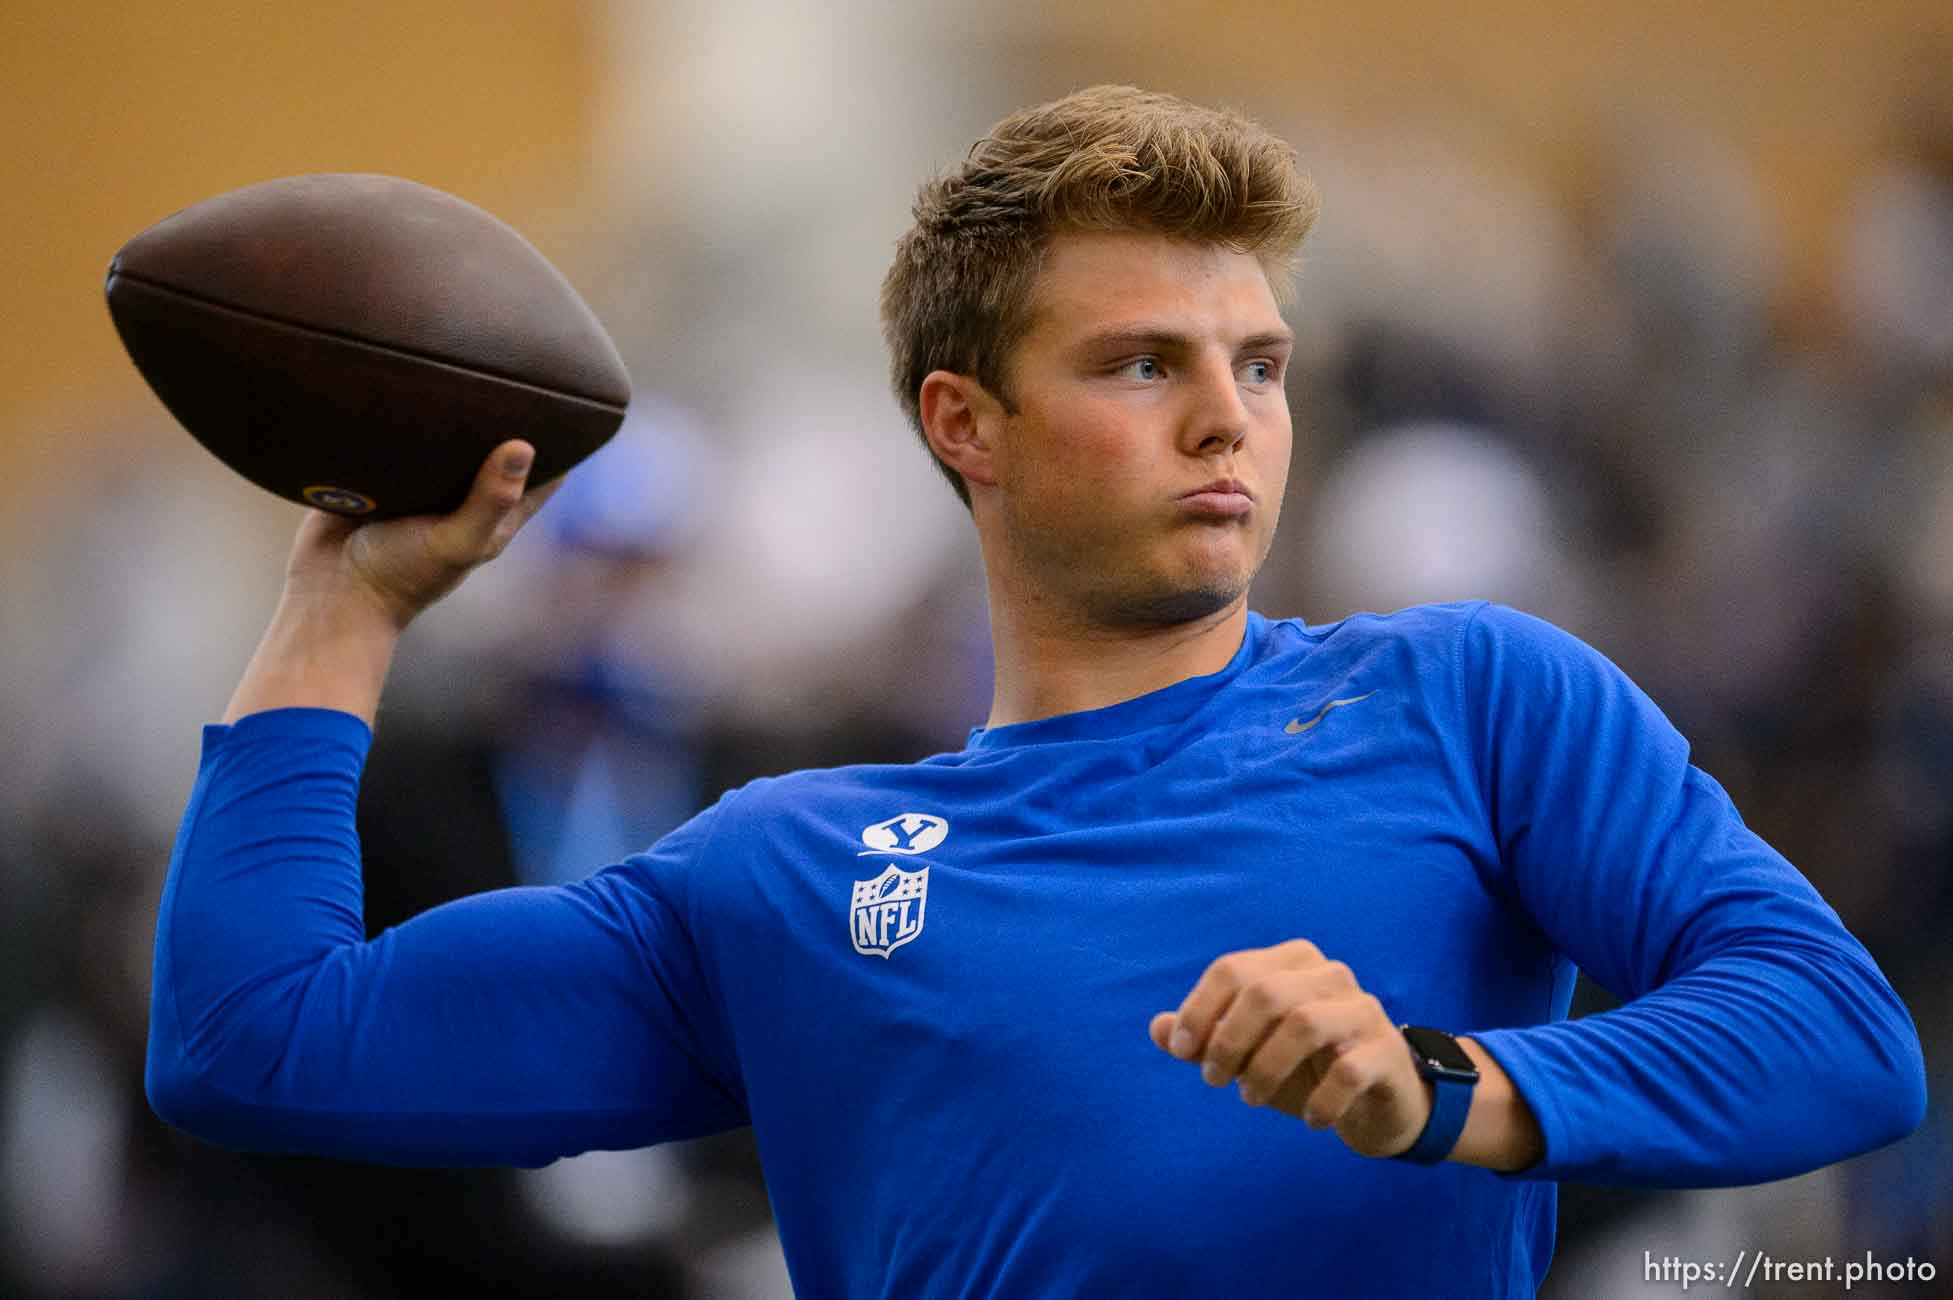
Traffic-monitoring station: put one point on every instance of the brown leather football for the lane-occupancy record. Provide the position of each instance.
(360, 343)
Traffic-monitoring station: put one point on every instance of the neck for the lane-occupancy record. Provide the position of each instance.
(1049, 663)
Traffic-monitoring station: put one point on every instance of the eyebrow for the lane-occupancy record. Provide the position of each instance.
(1161, 339)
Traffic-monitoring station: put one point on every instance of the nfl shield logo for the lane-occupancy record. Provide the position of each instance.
(886, 912)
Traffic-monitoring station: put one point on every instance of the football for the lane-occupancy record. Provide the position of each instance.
(359, 343)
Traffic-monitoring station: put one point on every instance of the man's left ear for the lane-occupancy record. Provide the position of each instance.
(960, 419)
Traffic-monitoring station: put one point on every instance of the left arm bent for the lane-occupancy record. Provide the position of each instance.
(1758, 1038)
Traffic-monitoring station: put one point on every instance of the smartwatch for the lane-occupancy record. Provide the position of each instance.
(1452, 1076)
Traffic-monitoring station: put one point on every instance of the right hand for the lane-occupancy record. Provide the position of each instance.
(351, 588)
(401, 566)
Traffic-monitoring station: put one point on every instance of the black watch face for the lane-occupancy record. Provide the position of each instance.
(1441, 1050)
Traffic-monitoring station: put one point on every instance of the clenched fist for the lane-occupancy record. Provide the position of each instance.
(1302, 1037)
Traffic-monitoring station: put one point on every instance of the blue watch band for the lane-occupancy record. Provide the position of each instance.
(1453, 1076)
(1451, 1102)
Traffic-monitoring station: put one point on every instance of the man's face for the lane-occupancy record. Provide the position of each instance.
(1141, 478)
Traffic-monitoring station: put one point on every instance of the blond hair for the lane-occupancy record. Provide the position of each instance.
(1113, 158)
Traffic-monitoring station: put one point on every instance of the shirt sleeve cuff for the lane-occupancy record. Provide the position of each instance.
(291, 724)
(1509, 1047)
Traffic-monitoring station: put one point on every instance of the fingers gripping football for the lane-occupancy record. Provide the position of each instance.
(407, 564)
(1300, 1035)
(496, 507)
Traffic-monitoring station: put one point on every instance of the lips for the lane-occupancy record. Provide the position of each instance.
(1225, 498)
(1224, 487)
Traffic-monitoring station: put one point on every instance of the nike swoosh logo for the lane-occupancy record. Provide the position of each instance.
(1296, 726)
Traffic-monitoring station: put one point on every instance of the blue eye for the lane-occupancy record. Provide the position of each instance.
(1261, 372)
(1143, 368)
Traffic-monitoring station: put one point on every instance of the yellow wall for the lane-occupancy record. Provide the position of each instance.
(1810, 90)
(117, 112)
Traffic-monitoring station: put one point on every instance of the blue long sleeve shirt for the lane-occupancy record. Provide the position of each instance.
(927, 987)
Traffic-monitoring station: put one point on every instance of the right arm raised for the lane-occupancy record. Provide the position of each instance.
(509, 1027)
(506, 1028)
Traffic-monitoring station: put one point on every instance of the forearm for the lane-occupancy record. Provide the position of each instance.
(1756, 1065)
(323, 650)
(1501, 1131)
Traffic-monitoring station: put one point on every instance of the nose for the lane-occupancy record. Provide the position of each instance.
(1217, 419)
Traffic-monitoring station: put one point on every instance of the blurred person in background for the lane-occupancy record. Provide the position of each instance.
(951, 1092)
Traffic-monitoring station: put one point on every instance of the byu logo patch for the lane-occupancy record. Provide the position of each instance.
(886, 912)
(909, 832)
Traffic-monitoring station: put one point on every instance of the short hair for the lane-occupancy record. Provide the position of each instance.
(1113, 158)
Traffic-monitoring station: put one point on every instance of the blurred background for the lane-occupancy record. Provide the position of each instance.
(1638, 317)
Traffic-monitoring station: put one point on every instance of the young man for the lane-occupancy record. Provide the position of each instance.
(1263, 845)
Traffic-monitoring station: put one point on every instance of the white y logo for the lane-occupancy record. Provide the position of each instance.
(909, 832)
